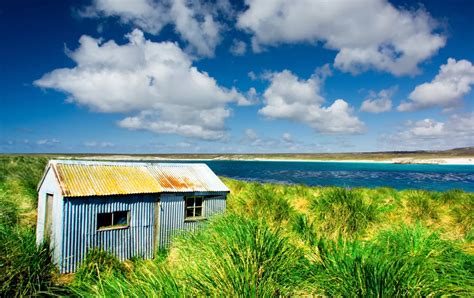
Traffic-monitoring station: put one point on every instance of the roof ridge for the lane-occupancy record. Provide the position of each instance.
(92, 178)
(124, 163)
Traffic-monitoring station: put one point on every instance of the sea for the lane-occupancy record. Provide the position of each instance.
(348, 174)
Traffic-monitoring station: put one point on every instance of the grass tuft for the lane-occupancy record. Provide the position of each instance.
(421, 206)
(25, 268)
(99, 264)
(262, 201)
(147, 279)
(304, 229)
(406, 261)
(237, 256)
(343, 212)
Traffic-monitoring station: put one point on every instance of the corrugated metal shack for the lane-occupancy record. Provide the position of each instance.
(130, 209)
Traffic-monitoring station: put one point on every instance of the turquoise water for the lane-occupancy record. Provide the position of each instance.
(398, 176)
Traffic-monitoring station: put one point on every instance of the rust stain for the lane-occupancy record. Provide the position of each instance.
(170, 181)
(165, 183)
(189, 182)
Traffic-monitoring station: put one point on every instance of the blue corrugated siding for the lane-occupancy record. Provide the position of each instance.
(215, 205)
(172, 215)
(80, 228)
(80, 222)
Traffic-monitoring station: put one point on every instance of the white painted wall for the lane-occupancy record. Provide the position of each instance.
(51, 185)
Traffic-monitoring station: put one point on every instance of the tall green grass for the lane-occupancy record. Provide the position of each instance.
(235, 256)
(25, 268)
(142, 279)
(232, 257)
(21, 174)
(274, 240)
(9, 209)
(305, 229)
(463, 214)
(421, 205)
(262, 202)
(441, 264)
(401, 262)
(99, 264)
(343, 212)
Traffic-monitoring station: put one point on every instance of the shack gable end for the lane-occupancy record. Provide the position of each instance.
(50, 186)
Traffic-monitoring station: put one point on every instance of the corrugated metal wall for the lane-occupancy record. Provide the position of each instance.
(80, 228)
(215, 205)
(80, 225)
(172, 214)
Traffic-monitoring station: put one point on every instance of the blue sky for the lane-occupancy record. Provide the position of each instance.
(221, 76)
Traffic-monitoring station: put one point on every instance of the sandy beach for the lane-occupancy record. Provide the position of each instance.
(401, 160)
(441, 161)
(407, 160)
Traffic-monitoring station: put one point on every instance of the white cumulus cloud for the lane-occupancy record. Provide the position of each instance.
(95, 144)
(379, 102)
(452, 82)
(456, 131)
(48, 142)
(287, 137)
(291, 98)
(154, 79)
(250, 134)
(252, 75)
(238, 47)
(194, 21)
(366, 33)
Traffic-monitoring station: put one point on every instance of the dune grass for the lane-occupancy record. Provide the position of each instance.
(421, 205)
(25, 268)
(343, 213)
(274, 240)
(239, 257)
(405, 261)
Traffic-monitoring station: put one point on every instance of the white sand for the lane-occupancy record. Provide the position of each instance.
(441, 161)
(402, 160)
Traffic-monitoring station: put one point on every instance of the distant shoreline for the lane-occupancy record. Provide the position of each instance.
(441, 161)
(403, 160)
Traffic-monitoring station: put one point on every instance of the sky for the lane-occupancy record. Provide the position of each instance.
(220, 76)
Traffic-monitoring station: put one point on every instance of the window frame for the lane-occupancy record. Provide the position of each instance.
(112, 226)
(194, 207)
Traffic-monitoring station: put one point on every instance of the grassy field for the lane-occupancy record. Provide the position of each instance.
(274, 240)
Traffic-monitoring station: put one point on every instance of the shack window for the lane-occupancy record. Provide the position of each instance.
(193, 207)
(113, 220)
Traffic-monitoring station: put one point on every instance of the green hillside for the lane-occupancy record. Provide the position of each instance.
(274, 240)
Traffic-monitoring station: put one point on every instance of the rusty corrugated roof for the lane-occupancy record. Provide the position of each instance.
(198, 177)
(91, 178)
